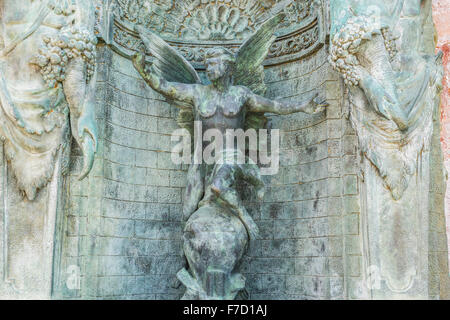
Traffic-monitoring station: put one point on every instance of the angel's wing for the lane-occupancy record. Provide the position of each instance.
(249, 71)
(168, 62)
(170, 65)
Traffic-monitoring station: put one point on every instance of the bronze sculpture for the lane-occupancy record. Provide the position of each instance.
(212, 205)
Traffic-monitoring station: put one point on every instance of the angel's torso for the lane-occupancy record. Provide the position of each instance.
(221, 110)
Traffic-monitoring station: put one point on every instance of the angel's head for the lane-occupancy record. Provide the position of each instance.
(219, 63)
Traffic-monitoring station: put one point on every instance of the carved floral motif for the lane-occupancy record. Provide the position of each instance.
(297, 11)
(144, 12)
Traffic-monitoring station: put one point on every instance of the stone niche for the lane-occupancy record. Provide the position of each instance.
(119, 232)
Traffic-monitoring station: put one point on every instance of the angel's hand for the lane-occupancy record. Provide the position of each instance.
(316, 105)
(139, 62)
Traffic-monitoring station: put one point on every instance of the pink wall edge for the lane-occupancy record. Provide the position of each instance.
(441, 17)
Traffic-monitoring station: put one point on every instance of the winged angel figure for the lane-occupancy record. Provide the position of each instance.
(233, 100)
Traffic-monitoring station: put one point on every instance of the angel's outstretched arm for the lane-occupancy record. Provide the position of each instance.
(312, 104)
(171, 90)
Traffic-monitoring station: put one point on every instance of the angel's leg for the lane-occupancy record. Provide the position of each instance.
(222, 188)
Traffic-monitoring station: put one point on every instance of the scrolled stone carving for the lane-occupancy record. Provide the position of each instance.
(62, 55)
(194, 54)
(295, 44)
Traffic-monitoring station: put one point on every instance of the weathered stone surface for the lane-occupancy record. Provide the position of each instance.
(47, 84)
(441, 14)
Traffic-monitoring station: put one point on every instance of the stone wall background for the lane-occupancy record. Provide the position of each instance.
(441, 17)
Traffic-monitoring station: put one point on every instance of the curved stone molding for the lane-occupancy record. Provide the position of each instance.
(193, 25)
